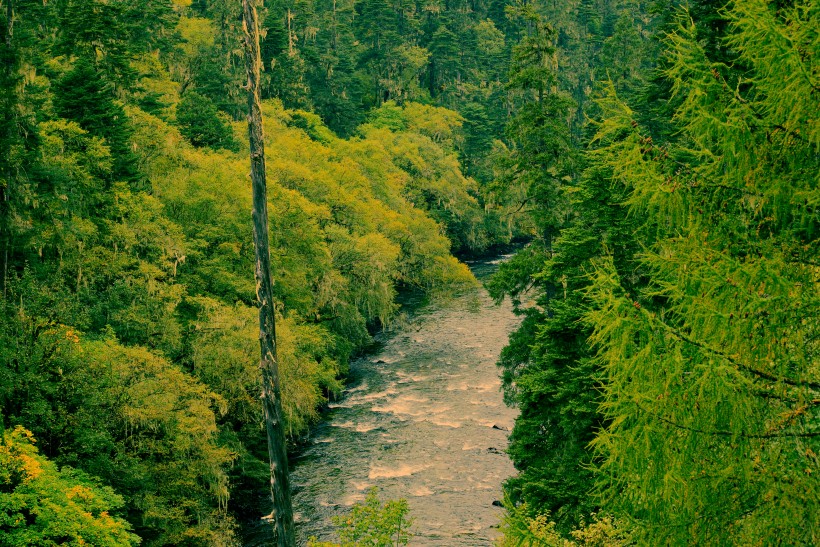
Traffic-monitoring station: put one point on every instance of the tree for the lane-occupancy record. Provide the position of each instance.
(522, 529)
(548, 368)
(710, 372)
(82, 95)
(200, 123)
(282, 514)
(41, 505)
(542, 158)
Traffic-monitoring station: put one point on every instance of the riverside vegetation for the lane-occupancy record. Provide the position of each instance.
(660, 156)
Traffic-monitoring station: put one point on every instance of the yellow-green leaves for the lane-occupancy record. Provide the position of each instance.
(710, 371)
(41, 505)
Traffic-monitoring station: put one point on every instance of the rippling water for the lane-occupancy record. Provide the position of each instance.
(422, 419)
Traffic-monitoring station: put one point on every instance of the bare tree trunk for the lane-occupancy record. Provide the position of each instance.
(280, 487)
(8, 107)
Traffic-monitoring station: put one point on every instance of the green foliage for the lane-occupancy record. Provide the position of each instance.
(41, 505)
(373, 523)
(546, 368)
(82, 95)
(707, 429)
(711, 369)
(540, 159)
(200, 123)
(520, 528)
(343, 58)
(421, 141)
(682, 225)
(157, 445)
(575, 212)
(223, 357)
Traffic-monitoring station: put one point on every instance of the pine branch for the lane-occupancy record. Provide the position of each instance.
(726, 433)
(815, 386)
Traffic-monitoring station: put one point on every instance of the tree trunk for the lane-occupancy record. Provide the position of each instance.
(280, 487)
(8, 108)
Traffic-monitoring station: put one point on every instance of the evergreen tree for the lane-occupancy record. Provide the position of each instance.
(83, 96)
(199, 122)
(548, 369)
(545, 366)
(542, 157)
(710, 371)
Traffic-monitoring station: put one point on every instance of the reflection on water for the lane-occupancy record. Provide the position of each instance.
(422, 419)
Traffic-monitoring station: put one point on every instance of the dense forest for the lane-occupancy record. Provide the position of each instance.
(657, 161)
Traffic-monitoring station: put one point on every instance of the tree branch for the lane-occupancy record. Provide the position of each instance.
(725, 433)
(741, 366)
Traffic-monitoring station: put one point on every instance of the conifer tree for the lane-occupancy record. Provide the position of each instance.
(548, 368)
(711, 380)
(200, 123)
(84, 96)
(544, 366)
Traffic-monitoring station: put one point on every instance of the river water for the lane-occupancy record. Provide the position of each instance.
(422, 419)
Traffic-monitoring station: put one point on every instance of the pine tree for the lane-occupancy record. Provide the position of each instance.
(199, 122)
(546, 369)
(82, 95)
(711, 379)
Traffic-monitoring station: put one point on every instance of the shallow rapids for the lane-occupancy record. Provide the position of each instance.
(422, 419)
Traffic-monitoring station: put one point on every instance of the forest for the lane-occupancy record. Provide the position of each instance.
(656, 164)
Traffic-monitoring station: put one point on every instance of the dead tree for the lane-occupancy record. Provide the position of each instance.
(282, 514)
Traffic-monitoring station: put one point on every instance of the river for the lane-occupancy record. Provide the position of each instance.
(423, 418)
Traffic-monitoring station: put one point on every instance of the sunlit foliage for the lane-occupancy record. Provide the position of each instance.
(711, 372)
(521, 529)
(373, 522)
(41, 505)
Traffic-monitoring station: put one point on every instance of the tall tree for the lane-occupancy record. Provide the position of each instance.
(84, 96)
(271, 393)
(711, 380)
(548, 368)
(538, 173)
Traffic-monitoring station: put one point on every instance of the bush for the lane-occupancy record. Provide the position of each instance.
(521, 528)
(372, 523)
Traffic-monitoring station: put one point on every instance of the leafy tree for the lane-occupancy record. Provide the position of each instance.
(216, 67)
(548, 368)
(444, 63)
(343, 237)
(41, 505)
(125, 250)
(112, 34)
(157, 446)
(284, 56)
(422, 141)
